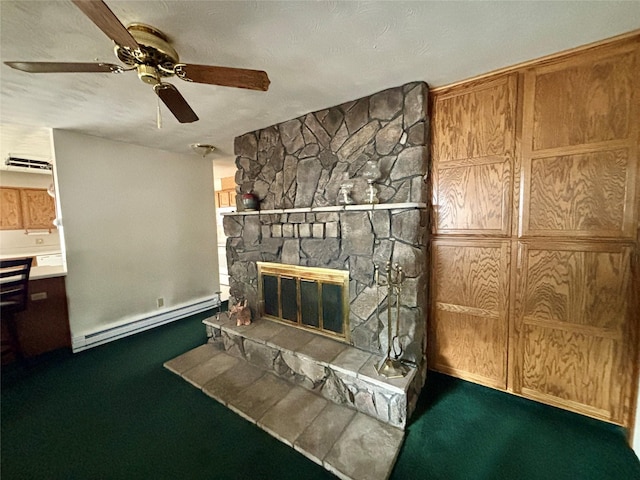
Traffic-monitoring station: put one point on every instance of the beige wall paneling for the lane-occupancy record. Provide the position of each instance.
(10, 209)
(473, 132)
(468, 327)
(571, 315)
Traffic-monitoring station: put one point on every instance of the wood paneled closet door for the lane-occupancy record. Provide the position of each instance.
(473, 151)
(536, 203)
(574, 334)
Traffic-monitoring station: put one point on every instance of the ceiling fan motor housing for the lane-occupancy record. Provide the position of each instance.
(156, 57)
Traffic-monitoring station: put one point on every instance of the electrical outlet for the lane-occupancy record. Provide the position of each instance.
(39, 241)
(160, 302)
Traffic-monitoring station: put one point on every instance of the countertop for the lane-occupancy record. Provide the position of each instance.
(38, 273)
(7, 253)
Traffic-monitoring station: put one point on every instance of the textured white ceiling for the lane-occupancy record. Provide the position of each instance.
(317, 54)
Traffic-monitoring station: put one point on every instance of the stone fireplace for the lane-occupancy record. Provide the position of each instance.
(295, 169)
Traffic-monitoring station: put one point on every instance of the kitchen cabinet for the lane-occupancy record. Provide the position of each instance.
(10, 209)
(226, 198)
(28, 208)
(38, 208)
(44, 325)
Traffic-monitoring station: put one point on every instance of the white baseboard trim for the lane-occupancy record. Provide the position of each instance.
(142, 323)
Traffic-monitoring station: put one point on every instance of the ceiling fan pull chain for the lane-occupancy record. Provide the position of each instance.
(159, 114)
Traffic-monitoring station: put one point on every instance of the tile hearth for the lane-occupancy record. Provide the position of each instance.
(292, 408)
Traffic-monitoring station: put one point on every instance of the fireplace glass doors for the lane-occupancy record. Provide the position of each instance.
(312, 298)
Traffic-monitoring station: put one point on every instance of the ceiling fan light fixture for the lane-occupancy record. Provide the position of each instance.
(148, 74)
(202, 149)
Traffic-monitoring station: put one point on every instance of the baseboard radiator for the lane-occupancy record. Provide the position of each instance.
(142, 323)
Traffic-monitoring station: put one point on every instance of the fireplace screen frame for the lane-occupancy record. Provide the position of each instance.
(321, 276)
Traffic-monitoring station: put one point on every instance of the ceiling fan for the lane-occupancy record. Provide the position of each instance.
(145, 49)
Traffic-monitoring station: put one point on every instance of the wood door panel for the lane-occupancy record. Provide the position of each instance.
(475, 122)
(571, 315)
(579, 284)
(583, 194)
(580, 146)
(10, 209)
(469, 274)
(474, 198)
(570, 369)
(585, 103)
(465, 345)
(469, 326)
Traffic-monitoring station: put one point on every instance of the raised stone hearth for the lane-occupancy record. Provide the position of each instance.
(321, 397)
(338, 372)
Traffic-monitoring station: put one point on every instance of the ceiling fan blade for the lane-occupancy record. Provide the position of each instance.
(61, 67)
(225, 76)
(100, 14)
(175, 102)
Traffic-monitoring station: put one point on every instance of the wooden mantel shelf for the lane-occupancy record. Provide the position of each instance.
(334, 208)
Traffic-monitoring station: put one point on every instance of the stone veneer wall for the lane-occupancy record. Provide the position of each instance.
(300, 163)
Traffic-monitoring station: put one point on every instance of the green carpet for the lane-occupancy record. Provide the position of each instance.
(113, 412)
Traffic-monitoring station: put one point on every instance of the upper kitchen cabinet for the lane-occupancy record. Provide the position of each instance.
(10, 209)
(38, 208)
(26, 208)
(226, 195)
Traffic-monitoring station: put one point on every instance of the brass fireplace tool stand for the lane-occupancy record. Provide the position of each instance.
(391, 367)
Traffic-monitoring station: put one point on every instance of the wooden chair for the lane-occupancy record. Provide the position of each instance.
(14, 290)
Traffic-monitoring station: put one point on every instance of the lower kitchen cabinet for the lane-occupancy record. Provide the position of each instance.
(44, 325)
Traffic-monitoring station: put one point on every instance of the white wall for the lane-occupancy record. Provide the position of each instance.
(138, 224)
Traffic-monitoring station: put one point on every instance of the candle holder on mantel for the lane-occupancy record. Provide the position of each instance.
(344, 194)
(392, 367)
(371, 173)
